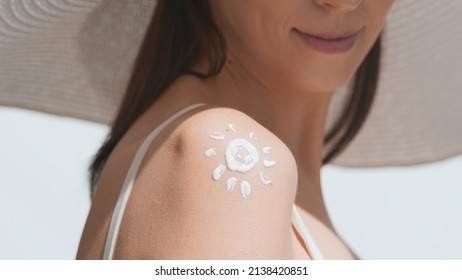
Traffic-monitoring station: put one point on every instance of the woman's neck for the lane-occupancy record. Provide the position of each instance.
(295, 116)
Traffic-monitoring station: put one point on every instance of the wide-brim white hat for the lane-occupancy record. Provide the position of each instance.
(73, 58)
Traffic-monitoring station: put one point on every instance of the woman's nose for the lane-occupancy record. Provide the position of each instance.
(340, 5)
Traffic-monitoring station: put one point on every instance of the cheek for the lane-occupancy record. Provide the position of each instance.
(377, 12)
(256, 27)
(292, 62)
(313, 70)
(277, 56)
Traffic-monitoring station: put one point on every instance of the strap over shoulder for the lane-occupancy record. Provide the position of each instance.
(129, 179)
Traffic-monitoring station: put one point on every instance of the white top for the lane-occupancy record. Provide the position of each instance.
(128, 185)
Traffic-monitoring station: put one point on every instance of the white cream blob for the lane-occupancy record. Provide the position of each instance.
(217, 135)
(269, 163)
(245, 189)
(231, 183)
(218, 172)
(241, 155)
(210, 152)
(264, 179)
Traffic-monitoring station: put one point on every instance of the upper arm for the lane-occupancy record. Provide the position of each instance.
(227, 192)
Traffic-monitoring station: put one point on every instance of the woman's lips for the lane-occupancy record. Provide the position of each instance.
(329, 43)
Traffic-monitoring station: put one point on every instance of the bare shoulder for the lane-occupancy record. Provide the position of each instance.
(238, 152)
(231, 184)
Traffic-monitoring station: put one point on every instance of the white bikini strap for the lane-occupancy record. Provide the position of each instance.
(307, 237)
(128, 183)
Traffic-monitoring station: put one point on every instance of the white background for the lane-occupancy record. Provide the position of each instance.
(382, 213)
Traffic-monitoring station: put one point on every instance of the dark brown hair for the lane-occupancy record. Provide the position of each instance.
(178, 33)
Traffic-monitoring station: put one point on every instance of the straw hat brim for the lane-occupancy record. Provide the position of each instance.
(73, 58)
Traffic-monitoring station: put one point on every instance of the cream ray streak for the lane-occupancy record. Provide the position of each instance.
(266, 150)
(217, 135)
(231, 126)
(264, 179)
(269, 163)
(245, 189)
(231, 183)
(210, 152)
(218, 172)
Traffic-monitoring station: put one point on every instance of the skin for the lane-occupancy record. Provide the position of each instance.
(270, 67)
(280, 87)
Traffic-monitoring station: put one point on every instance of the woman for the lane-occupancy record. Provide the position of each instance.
(238, 177)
